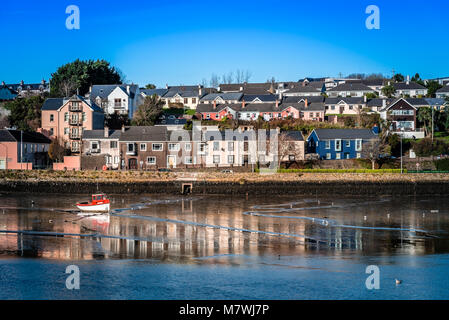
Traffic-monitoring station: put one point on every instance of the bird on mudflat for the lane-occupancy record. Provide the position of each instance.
(398, 281)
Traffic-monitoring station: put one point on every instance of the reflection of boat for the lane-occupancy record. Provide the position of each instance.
(100, 203)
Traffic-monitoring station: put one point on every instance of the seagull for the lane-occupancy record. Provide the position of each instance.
(398, 281)
(50, 221)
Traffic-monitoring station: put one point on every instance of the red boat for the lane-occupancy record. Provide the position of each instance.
(100, 203)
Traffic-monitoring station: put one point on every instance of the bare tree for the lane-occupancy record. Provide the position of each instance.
(372, 151)
(214, 80)
(290, 150)
(68, 87)
(248, 75)
(239, 75)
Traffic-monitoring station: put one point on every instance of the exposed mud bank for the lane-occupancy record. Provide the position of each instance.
(229, 188)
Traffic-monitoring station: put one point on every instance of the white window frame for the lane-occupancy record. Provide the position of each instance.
(358, 144)
(328, 156)
(188, 146)
(170, 147)
(151, 163)
(216, 157)
(161, 144)
(337, 144)
(327, 145)
(338, 156)
(231, 157)
(188, 160)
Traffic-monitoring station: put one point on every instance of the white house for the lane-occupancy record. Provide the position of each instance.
(350, 89)
(116, 98)
(408, 88)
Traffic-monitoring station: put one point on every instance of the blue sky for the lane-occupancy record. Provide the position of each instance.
(183, 42)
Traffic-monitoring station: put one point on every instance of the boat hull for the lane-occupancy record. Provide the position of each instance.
(104, 207)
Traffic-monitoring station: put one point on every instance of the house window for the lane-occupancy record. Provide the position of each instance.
(94, 145)
(338, 156)
(216, 146)
(143, 147)
(231, 146)
(52, 118)
(173, 147)
(113, 145)
(202, 148)
(130, 147)
(328, 156)
(193, 100)
(52, 131)
(332, 107)
(116, 160)
(216, 159)
(151, 160)
(188, 160)
(84, 116)
(291, 158)
(348, 143)
(188, 147)
(117, 103)
(346, 155)
(359, 155)
(108, 160)
(66, 117)
(328, 144)
(337, 145)
(230, 159)
(66, 131)
(157, 147)
(358, 145)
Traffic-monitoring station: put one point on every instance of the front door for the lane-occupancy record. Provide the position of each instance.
(171, 161)
(132, 164)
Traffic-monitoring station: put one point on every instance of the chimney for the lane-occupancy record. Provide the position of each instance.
(127, 89)
(243, 104)
(106, 132)
(277, 103)
(215, 104)
(123, 128)
(200, 90)
(306, 103)
(408, 80)
(281, 95)
(166, 86)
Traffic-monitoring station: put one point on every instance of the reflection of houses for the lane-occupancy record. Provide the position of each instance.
(101, 147)
(402, 115)
(116, 98)
(336, 144)
(23, 150)
(67, 118)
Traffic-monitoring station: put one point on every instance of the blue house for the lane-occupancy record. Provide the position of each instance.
(336, 144)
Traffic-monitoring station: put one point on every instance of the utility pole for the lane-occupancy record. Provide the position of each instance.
(432, 122)
(21, 149)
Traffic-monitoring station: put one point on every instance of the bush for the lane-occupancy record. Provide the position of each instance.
(442, 165)
(425, 147)
(341, 171)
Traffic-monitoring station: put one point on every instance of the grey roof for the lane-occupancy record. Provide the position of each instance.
(182, 92)
(29, 86)
(417, 101)
(158, 92)
(350, 86)
(295, 135)
(297, 99)
(262, 97)
(445, 89)
(260, 107)
(316, 106)
(348, 100)
(56, 103)
(369, 82)
(326, 134)
(409, 86)
(52, 104)
(396, 101)
(307, 88)
(378, 102)
(225, 96)
(436, 101)
(29, 137)
(104, 90)
(144, 133)
(99, 134)
(169, 122)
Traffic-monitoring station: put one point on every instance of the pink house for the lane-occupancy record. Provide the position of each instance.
(20, 150)
(66, 119)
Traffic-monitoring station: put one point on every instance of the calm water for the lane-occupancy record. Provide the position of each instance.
(216, 247)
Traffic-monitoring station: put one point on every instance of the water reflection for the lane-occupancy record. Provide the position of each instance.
(215, 229)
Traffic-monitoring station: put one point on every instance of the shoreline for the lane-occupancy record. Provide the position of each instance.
(226, 184)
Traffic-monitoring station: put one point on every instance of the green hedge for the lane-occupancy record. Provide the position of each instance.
(442, 165)
(341, 171)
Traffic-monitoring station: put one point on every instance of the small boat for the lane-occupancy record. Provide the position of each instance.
(100, 203)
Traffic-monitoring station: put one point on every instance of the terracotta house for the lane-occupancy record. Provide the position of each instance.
(66, 119)
(20, 150)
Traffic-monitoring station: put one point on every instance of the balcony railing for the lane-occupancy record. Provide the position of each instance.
(75, 136)
(75, 122)
(75, 109)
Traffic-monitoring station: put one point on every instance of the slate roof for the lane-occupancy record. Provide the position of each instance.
(29, 137)
(445, 89)
(182, 93)
(350, 86)
(316, 106)
(297, 99)
(144, 133)
(260, 107)
(378, 102)
(348, 100)
(307, 88)
(409, 86)
(158, 92)
(56, 103)
(99, 134)
(225, 96)
(104, 90)
(326, 134)
(261, 97)
(436, 101)
(417, 101)
(294, 135)
(29, 86)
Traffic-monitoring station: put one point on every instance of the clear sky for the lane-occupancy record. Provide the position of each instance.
(183, 42)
